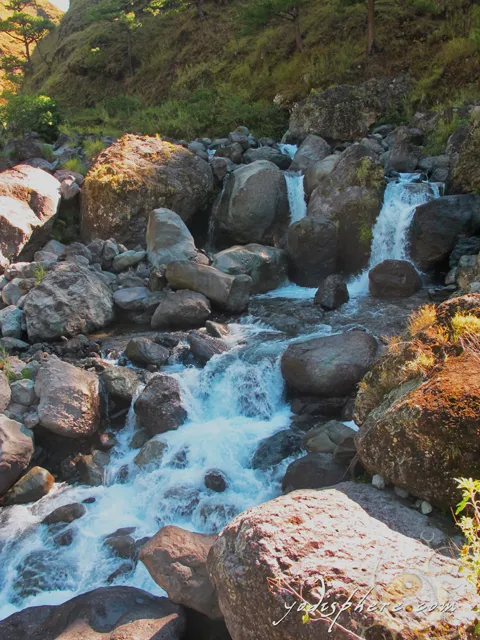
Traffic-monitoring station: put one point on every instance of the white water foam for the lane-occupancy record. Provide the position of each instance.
(390, 233)
(296, 196)
(288, 149)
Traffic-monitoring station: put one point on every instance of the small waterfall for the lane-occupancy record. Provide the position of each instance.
(288, 149)
(296, 196)
(390, 233)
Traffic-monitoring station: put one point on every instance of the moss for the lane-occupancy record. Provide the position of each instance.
(370, 174)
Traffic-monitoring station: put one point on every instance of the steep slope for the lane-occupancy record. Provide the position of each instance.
(11, 47)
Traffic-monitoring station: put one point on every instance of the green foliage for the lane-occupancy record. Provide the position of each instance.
(6, 365)
(14, 68)
(48, 152)
(121, 105)
(23, 113)
(437, 139)
(92, 148)
(24, 27)
(76, 165)
(26, 373)
(425, 7)
(39, 274)
(469, 523)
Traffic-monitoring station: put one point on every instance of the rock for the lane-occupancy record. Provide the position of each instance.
(316, 172)
(351, 196)
(20, 149)
(327, 437)
(69, 300)
(404, 153)
(378, 482)
(282, 161)
(29, 200)
(401, 493)
(274, 449)
(108, 613)
(13, 291)
(181, 310)
(401, 426)
(220, 167)
(12, 322)
(92, 468)
(122, 546)
(152, 173)
(345, 112)
(69, 189)
(314, 471)
(69, 399)
(216, 329)
(168, 238)
(438, 225)
(330, 366)
(23, 392)
(151, 451)
(394, 279)
(292, 541)
(65, 514)
(231, 293)
(145, 351)
(426, 508)
(204, 347)
(312, 250)
(159, 407)
(121, 384)
(332, 293)
(464, 247)
(216, 481)
(233, 152)
(139, 302)
(16, 450)
(127, 259)
(177, 561)
(266, 266)
(253, 205)
(5, 393)
(313, 149)
(35, 484)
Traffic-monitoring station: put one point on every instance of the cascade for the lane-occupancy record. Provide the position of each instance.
(296, 196)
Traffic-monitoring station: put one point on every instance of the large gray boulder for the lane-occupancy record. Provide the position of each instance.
(25, 223)
(69, 300)
(132, 177)
(394, 279)
(16, 450)
(177, 561)
(313, 149)
(181, 310)
(253, 205)
(314, 471)
(228, 292)
(120, 384)
(159, 407)
(354, 538)
(312, 250)
(405, 152)
(331, 366)
(108, 613)
(168, 238)
(315, 172)
(144, 351)
(282, 160)
(438, 225)
(332, 293)
(69, 399)
(266, 266)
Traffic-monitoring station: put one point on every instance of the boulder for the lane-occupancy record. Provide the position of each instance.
(127, 259)
(16, 450)
(266, 266)
(152, 451)
(108, 613)
(5, 393)
(316, 172)
(438, 225)
(228, 292)
(65, 514)
(69, 399)
(132, 177)
(181, 310)
(120, 383)
(35, 484)
(159, 407)
(68, 301)
(204, 347)
(215, 480)
(312, 250)
(313, 149)
(404, 153)
(331, 366)
(314, 471)
(253, 206)
(138, 302)
(268, 153)
(23, 392)
(12, 322)
(144, 351)
(332, 293)
(168, 238)
(394, 279)
(330, 437)
(274, 449)
(39, 192)
(346, 112)
(92, 468)
(351, 196)
(177, 561)
(354, 538)
(422, 435)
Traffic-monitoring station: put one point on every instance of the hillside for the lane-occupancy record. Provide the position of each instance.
(10, 47)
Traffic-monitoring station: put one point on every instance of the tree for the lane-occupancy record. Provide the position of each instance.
(258, 13)
(122, 14)
(24, 27)
(172, 6)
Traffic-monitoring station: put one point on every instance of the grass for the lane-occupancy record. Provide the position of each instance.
(39, 274)
(422, 319)
(469, 524)
(465, 326)
(92, 148)
(76, 165)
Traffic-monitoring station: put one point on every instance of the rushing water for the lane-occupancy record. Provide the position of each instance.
(296, 196)
(390, 233)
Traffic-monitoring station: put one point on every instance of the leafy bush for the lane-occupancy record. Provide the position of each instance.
(23, 113)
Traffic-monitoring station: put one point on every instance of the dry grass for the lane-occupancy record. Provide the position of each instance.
(422, 319)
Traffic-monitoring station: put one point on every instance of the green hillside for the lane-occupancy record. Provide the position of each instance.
(193, 76)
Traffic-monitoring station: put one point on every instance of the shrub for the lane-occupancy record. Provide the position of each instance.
(92, 148)
(76, 165)
(422, 319)
(465, 326)
(469, 523)
(23, 113)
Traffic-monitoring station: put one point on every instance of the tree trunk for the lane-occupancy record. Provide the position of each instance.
(28, 56)
(298, 31)
(371, 27)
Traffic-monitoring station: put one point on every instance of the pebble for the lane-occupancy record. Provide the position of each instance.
(378, 482)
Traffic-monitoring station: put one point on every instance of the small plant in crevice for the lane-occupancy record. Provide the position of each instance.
(39, 274)
(469, 523)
